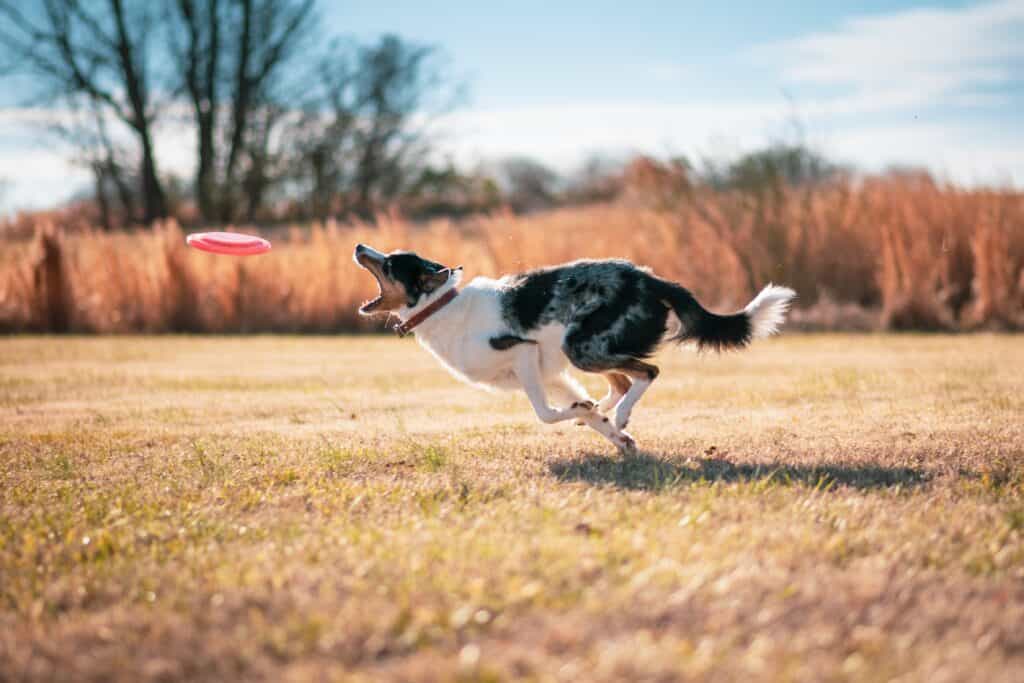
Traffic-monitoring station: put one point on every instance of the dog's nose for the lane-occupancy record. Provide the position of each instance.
(367, 253)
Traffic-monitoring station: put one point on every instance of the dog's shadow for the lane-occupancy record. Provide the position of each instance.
(647, 472)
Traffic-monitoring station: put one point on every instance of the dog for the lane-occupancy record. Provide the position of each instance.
(524, 331)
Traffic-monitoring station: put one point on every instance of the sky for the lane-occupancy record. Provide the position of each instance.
(872, 84)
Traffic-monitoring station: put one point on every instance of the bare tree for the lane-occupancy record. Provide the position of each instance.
(230, 56)
(273, 114)
(322, 135)
(361, 140)
(87, 132)
(393, 79)
(95, 52)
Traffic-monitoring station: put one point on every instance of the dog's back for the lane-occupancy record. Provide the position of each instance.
(611, 309)
(615, 312)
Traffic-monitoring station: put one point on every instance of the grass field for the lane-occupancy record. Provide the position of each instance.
(280, 508)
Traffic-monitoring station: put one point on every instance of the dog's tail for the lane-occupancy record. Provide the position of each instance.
(761, 318)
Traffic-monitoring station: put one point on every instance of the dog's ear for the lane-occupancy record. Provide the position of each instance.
(431, 281)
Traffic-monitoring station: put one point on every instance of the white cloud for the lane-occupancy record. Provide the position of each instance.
(861, 87)
(35, 167)
(562, 135)
(972, 154)
(967, 154)
(39, 178)
(910, 58)
(176, 150)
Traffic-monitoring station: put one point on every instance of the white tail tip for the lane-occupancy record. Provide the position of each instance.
(768, 310)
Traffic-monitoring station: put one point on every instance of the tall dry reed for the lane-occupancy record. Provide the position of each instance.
(898, 252)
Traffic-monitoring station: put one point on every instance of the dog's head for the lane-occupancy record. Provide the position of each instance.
(402, 277)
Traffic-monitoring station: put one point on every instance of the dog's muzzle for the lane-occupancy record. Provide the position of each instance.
(373, 261)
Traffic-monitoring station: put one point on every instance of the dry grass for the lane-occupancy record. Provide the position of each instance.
(818, 508)
(900, 253)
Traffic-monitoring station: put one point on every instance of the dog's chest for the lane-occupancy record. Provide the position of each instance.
(470, 359)
(460, 340)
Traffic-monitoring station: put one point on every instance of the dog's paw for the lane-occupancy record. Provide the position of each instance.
(625, 443)
(582, 408)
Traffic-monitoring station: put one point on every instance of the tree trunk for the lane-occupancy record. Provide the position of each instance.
(240, 111)
(124, 193)
(200, 68)
(153, 197)
(99, 176)
(154, 200)
(206, 180)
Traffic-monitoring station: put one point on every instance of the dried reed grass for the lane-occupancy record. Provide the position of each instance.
(920, 254)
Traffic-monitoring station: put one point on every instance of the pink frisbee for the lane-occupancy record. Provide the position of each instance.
(231, 243)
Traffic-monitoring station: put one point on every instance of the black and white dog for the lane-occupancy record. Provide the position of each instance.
(523, 331)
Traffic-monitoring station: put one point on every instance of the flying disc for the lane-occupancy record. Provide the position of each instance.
(231, 243)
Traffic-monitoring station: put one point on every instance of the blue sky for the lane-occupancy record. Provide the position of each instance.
(872, 83)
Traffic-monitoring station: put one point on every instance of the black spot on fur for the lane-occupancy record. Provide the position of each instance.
(409, 270)
(530, 295)
(613, 312)
(507, 341)
(637, 339)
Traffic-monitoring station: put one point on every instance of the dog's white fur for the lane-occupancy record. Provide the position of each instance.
(459, 334)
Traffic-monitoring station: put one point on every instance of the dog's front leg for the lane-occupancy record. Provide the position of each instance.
(564, 388)
(527, 369)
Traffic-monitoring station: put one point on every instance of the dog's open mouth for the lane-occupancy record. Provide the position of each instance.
(370, 304)
(368, 259)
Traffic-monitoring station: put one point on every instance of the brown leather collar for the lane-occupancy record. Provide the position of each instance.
(405, 328)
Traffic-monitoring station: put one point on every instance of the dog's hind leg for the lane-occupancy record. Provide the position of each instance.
(618, 385)
(642, 376)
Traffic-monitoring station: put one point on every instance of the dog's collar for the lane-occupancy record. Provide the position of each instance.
(405, 328)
